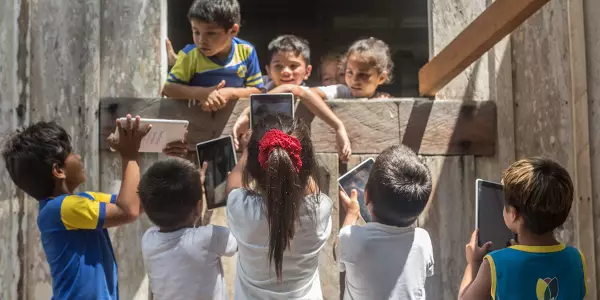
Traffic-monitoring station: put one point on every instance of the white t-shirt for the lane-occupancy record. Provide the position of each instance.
(385, 262)
(338, 91)
(186, 264)
(300, 276)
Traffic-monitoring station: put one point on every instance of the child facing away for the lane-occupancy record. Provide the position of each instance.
(41, 162)
(388, 258)
(277, 214)
(289, 66)
(218, 67)
(538, 194)
(368, 64)
(182, 257)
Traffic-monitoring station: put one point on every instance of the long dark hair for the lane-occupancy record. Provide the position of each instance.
(283, 189)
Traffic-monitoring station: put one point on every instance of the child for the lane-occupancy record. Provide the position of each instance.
(332, 70)
(282, 222)
(388, 258)
(368, 64)
(218, 67)
(289, 61)
(538, 194)
(289, 66)
(73, 231)
(171, 192)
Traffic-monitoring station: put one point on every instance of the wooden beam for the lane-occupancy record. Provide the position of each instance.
(497, 21)
(429, 127)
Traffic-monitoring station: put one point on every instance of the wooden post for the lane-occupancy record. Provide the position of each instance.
(498, 20)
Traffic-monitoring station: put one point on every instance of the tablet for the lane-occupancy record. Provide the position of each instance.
(163, 132)
(220, 156)
(262, 105)
(489, 217)
(357, 179)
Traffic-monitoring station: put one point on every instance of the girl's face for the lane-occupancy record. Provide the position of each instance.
(362, 78)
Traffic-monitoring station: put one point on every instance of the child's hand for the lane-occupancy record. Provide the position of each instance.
(382, 95)
(130, 138)
(171, 54)
(474, 253)
(350, 203)
(216, 99)
(177, 148)
(203, 174)
(343, 144)
(241, 126)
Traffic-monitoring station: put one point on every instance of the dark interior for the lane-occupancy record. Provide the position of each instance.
(330, 26)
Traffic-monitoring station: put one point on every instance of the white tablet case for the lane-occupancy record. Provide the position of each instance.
(162, 133)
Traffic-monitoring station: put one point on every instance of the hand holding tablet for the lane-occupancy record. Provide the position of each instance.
(163, 132)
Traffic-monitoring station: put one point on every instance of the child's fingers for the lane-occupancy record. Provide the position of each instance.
(473, 240)
(204, 167)
(354, 195)
(486, 247)
(344, 196)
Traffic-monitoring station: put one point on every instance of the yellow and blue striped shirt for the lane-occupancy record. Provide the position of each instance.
(241, 69)
(78, 248)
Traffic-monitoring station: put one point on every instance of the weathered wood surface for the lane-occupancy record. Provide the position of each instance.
(498, 20)
(592, 41)
(429, 127)
(582, 172)
(449, 218)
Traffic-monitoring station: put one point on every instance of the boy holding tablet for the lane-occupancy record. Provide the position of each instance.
(538, 197)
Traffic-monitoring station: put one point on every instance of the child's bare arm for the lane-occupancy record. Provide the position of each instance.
(319, 92)
(127, 206)
(480, 286)
(320, 109)
(186, 92)
(219, 98)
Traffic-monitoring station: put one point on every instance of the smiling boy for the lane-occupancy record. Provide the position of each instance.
(218, 67)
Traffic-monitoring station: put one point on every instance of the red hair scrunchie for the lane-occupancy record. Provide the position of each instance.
(276, 138)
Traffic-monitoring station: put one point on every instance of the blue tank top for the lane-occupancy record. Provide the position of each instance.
(537, 272)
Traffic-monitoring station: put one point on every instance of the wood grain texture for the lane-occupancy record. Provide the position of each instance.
(542, 92)
(429, 127)
(449, 218)
(592, 41)
(582, 173)
(498, 20)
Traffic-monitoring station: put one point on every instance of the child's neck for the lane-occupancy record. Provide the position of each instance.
(60, 188)
(189, 224)
(527, 238)
(224, 55)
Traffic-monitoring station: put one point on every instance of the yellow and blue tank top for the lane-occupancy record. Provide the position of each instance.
(241, 69)
(537, 272)
(78, 248)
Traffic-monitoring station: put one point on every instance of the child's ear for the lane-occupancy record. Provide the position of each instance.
(366, 196)
(308, 71)
(58, 172)
(383, 77)
(235, 29)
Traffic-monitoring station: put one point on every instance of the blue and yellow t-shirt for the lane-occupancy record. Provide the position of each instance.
(78, 248)
(241, 69)
(537, 272)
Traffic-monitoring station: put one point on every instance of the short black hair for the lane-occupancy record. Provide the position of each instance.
(169, 191)
(288, 42)
(399, 186)
(31, 154)
(224, 13)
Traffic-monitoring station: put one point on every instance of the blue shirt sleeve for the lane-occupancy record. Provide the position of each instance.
(253, 75)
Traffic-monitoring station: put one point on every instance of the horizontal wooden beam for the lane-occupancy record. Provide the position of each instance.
(497, 21)
(429, 127)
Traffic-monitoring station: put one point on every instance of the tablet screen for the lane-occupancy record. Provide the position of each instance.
(490, 218)
(357, 179)
(262, 105)
(220, 157)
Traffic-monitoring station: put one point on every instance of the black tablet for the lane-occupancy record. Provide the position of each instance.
(262, 105)
(220, 156)
(489, 217)
(357, 179)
